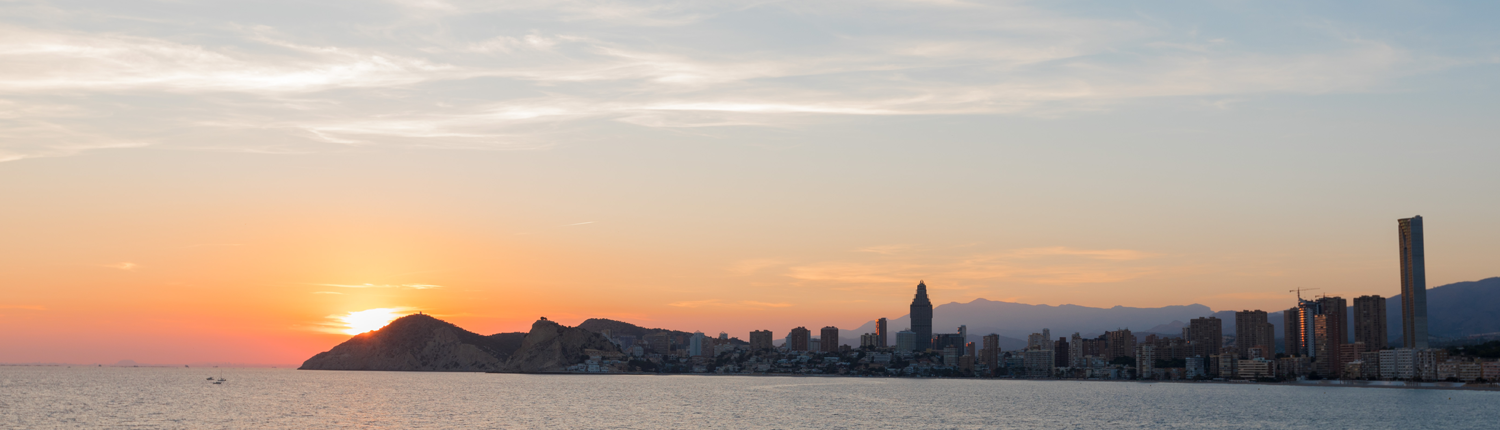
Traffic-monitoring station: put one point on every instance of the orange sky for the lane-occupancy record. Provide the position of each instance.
(169, 257)
(195, 181)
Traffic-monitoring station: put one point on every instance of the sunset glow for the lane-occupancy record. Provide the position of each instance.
(196, 181)
(369, 320)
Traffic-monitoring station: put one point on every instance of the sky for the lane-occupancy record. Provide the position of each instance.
(249, 182)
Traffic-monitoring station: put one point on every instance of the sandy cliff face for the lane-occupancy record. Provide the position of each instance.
(551, 347)
(414, 342)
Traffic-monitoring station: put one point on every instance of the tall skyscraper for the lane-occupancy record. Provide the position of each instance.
(797, 340)
(1292, 328)
(1251, 330)
(1205, 335)
(921, 318)
(1330, 333)
(830, 338)
(1369, 322)
(1413, 284)
(880, 332)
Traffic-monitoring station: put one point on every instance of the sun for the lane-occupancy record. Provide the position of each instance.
(367, 320)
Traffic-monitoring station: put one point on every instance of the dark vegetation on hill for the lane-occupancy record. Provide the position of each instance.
(423, 343)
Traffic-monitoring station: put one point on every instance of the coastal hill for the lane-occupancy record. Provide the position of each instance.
(619, 328)
(419, 342)
(551, 347)
(423, 343)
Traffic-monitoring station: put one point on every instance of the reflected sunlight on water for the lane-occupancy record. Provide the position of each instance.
(282, 398)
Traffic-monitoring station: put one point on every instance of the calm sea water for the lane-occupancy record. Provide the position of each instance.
(57, 397)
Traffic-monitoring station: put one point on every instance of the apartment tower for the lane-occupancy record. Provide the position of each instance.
(1413, 284)
(1369, 322)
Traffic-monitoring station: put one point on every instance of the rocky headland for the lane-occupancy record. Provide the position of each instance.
(423, 343)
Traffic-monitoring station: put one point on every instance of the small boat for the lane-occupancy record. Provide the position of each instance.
(210, 378)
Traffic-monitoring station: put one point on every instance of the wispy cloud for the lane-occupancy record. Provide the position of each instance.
(326, 292)
(122, 266)
(434, 77)
(23, 307)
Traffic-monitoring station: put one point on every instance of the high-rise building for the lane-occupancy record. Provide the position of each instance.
(830, 338)
(921, 318)
(1413, 284)
(1060, 352)
(1119, 343)
(760, 340)
(881, 332)
(906, 341)
(1292, 327)
(1076, 352)
(969, 349)
(990, 354)
(1369, 322)
(1145, 361)
(1330, 333)
(869, 340)
(1205, 335)
(695, 344)
(1251, 330)
(798, 338)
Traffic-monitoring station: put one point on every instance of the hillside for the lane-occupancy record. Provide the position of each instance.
(417, 343)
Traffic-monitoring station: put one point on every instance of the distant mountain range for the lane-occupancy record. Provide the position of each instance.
(1454, 310)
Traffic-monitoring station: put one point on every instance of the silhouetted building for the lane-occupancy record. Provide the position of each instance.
(1251, 330)
(921, 318)
(760, 340)
(830, 338)
(1413, 284)
(1330, 333)
(1205, 335)
(1060, 352)
(944, 340)
(990, 354)
(1369, 322)
(798, 339)
(1120, 343)
(881, 331)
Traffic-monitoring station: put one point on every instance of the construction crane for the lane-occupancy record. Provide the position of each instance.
(1299, 292)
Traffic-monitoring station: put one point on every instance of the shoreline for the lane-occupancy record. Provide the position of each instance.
(1457, 386)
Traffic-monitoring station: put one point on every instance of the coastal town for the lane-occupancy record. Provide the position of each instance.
(1315, 345)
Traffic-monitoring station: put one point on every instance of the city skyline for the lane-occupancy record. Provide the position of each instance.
(195, 181)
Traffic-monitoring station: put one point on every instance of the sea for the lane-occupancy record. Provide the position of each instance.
(156, 397)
